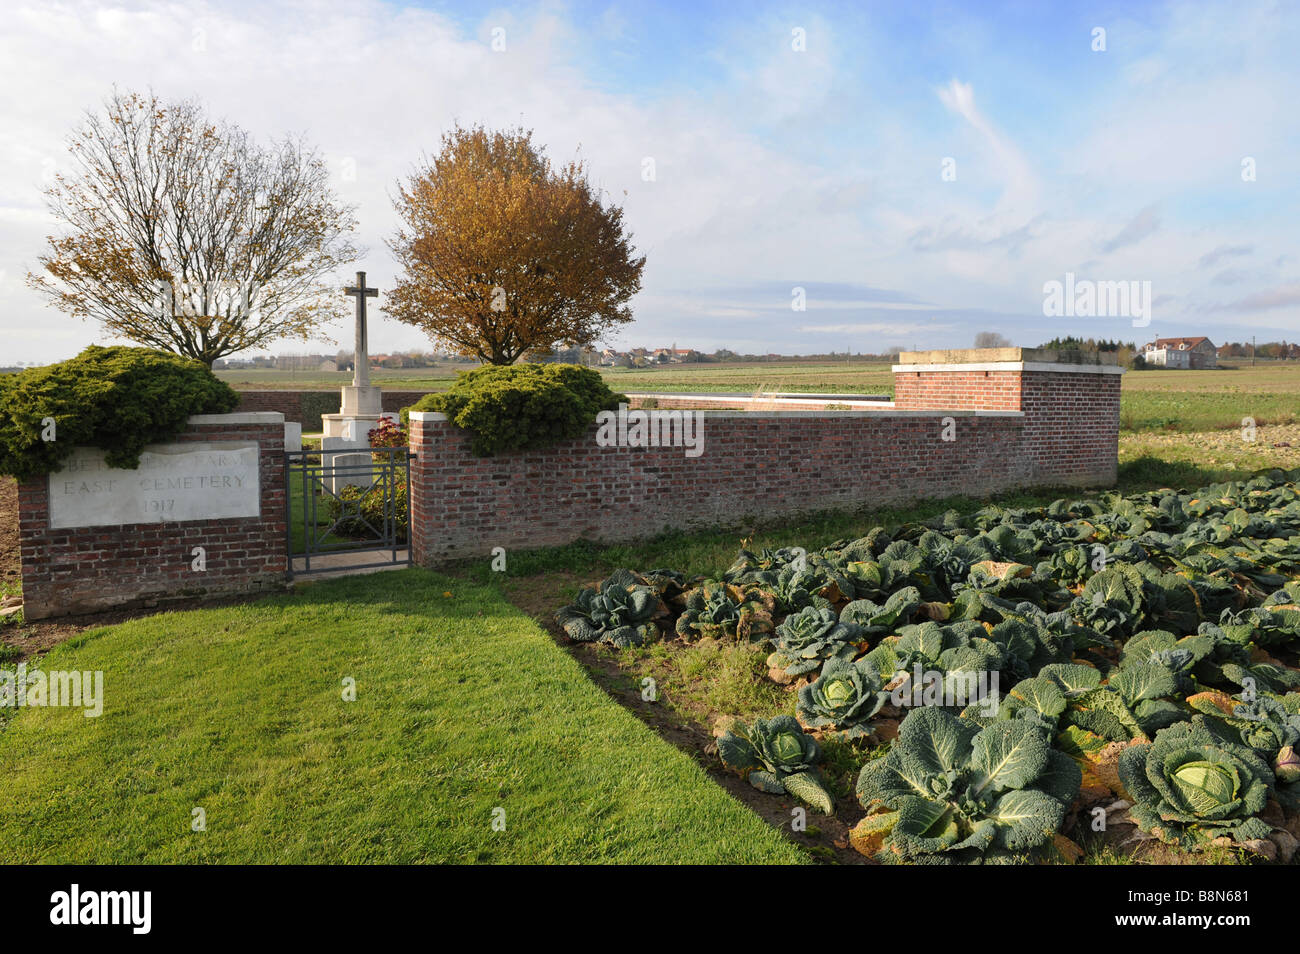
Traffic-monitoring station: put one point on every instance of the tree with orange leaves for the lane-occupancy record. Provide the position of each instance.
(503, 254)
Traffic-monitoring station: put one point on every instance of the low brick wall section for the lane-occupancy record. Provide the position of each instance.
(87, 569)
(755, 465)
(306, 407)
(1012, 424)
(743, 402)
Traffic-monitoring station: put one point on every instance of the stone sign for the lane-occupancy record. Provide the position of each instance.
(174, 482)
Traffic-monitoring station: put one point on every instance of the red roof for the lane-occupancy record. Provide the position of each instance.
(1178, 344)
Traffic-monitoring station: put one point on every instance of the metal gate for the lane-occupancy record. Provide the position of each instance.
(345, 508)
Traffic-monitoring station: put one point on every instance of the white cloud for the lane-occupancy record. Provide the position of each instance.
(745, 192)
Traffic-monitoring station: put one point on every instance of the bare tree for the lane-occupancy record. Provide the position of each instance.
(991, 339)
(185, 235)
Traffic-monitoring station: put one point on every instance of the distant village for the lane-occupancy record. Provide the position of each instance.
(1187, 353)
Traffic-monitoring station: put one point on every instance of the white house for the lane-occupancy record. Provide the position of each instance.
(1185, 353)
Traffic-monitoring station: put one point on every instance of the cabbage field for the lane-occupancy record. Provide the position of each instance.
(1012, 684)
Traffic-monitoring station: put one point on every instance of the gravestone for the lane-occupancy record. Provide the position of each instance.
(292, 436)
(353, 457)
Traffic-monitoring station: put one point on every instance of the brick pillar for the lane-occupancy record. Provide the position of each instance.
(425, 497)
(1070, 401)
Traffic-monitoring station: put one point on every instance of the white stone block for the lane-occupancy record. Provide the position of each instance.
(174, 483)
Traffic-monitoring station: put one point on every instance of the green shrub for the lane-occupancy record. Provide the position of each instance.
(522, 406)
(364, 518)
(119, 399)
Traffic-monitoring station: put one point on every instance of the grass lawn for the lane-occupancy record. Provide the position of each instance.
(462, 705)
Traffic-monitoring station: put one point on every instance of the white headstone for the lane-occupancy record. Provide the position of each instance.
(353, 460)
(292, 436)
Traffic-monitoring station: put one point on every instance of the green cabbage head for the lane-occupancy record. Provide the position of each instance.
(776, 756)
(1191, 785)
(844, 698)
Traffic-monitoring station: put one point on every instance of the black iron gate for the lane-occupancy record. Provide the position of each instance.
(345, 507)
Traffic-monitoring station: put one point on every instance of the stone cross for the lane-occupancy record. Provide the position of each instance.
(361, 357)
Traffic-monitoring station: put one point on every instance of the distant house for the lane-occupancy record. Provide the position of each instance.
(1187, 353)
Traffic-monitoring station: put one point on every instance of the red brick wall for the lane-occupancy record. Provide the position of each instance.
(85, 569)
(958, 390)
(1072, 425)
(1044, 429)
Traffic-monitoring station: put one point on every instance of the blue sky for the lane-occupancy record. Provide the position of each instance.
(775, 168)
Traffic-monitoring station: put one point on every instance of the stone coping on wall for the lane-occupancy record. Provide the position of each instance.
(238, 417)
(767, 400)
(1013, 366)
(1094, 359)
(437, 416)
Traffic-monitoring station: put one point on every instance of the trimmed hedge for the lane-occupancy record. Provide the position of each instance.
(313, 404)
(119, 399)
(522, 406)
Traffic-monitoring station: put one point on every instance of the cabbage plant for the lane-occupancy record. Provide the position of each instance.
(792, 588)
(620, 610)
(1191, 786)
(1268, 724)
(777, 756)
(949, 791)
(1111, 601)
(809, 638)
(876, 619)
(843, 698)
(723, 611)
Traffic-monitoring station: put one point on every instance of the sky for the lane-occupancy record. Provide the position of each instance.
(909, 174)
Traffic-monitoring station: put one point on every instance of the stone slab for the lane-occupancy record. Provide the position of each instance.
(174, 483)
(292, 436)
(361, 401)
(989, 355)
(357, 426)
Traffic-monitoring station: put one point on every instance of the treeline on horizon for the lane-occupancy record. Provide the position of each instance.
(1126, 352)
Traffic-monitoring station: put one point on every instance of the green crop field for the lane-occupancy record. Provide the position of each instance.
(1151, 400)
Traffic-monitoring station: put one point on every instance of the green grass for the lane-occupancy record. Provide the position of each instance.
(463, 705)
(1181, 401)
(1186, 411)
(413, 379)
